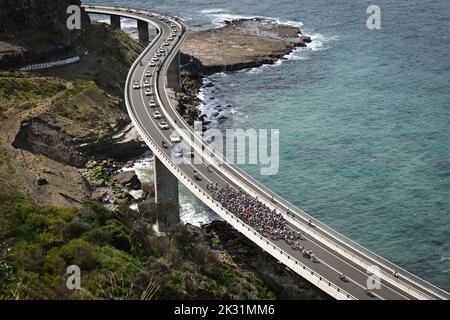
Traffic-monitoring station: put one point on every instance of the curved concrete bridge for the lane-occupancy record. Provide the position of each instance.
(336, 254)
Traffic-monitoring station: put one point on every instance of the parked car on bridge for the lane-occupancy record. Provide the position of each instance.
(163, 125)
(135, 85)
(156, 114)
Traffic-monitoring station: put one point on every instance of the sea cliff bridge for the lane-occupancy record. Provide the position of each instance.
(335, 254)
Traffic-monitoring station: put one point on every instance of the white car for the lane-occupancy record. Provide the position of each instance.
(175, 137)
(156, 115)
(148, 92)
(152, 64)
(169, 39)
(152, 104)
(146, 84)
(165, 43)
(148, 74)
(135, 85)
(163, 125)
(159, 54)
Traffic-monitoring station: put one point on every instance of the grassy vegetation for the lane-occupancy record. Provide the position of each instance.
(80, 107)
(118, 254)
(84, 108)
(20, 91)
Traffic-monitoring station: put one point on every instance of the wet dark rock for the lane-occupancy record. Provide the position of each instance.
(128, 179)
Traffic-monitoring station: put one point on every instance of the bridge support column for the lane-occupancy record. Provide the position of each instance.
(115, 21)
(166, 195)
(143, 33)
(173, 73)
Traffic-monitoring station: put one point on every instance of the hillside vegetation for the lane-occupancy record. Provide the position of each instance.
(119, 256)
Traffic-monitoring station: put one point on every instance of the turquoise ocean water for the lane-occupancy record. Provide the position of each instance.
(364, 119)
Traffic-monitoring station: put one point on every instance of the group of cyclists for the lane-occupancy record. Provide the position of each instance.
(269, 222)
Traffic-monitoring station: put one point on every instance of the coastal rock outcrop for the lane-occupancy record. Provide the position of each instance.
(128, 179)
(60, 118)
(240, 44)
(85, 125)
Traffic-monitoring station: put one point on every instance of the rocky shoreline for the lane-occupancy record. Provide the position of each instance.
(240, 44)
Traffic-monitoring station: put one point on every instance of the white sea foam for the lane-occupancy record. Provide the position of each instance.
(143, 167)
(191, 210)
(319, 41)
(212, 11)
(194, 212)
(296, 54)
(128, 23)
(103, 20)
(220, 18)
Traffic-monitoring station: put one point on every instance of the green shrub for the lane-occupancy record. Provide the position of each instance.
(80, 253)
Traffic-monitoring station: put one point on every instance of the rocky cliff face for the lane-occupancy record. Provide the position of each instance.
(33, 30)
(52, 121)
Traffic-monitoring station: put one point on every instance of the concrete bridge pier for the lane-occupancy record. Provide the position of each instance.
(166, 195)
(173, 73)
(143, 33)
(115, 21)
